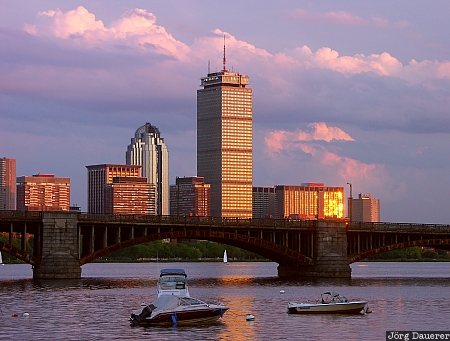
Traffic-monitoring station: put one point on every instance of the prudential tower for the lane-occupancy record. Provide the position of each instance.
(147, 149)
(224, 141)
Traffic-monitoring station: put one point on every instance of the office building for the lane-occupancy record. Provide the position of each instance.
(224, 142)
(365, 208)
(309, 201)
(147, 149)
(43, 192)
(7, 184)
(99, 176)
(264, 203)
(130, 195)
(190, 196)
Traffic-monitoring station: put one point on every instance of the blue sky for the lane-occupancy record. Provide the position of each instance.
(344, 91)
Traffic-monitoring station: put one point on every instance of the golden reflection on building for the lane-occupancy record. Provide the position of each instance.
(224, 142)
(309, 201)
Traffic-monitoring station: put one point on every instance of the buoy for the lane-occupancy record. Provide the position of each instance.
(250, 317)
(282, 291)
(25, 314)
(15, 315)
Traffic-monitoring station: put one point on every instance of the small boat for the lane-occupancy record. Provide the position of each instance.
(330, 303)
(174, 305)
(173, 310)
(225, 257)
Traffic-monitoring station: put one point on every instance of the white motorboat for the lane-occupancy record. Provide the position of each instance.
(173, 310)
(330, 303)
(174, 305)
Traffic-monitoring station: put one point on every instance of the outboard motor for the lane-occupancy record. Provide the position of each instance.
(146, 312)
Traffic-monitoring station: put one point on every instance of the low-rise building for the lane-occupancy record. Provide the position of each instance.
(43, 192)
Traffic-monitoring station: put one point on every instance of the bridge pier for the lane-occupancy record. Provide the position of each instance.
(59, 247)
(330, 254)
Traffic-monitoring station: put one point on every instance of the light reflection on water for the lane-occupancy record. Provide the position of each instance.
(403, 296)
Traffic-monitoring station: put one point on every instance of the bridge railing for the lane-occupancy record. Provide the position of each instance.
(398, 227)
(20, 214)
(189, 220)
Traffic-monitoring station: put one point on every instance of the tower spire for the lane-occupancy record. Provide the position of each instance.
(224, 58)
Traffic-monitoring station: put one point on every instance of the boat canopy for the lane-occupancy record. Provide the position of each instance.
(169, 272)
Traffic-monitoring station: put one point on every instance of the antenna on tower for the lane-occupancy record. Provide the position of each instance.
(224, 58)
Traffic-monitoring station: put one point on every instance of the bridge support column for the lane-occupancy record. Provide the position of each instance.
(330, 254)
(59, 247)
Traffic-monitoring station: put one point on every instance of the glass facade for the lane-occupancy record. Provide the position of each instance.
(224, 142)
(147, 149)
(309, 201)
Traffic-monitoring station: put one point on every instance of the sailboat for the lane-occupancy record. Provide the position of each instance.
(1, 259)
(225, 257)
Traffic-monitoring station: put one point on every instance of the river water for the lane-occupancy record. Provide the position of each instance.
(402, 296)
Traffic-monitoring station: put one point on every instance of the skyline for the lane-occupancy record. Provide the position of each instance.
(353, 93)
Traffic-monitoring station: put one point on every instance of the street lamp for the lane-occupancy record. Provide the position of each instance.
(350, 202)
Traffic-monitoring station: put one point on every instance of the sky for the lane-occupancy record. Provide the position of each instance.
(343, 91)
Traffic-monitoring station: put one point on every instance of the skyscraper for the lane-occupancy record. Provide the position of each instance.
(224, 141)
(7, 184)
(43, 192)
(147, 149)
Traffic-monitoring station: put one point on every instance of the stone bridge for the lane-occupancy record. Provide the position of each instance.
(63, 242)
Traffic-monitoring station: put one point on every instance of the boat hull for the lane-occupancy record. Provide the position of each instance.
(355, 307)
(177, 317)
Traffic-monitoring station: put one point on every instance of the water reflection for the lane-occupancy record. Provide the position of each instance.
(99, 305)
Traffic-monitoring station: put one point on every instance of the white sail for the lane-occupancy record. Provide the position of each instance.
(225, 257)
(1, 259)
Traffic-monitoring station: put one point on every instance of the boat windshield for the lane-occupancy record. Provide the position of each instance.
(190, 301)
(332, 297)
(172, 282)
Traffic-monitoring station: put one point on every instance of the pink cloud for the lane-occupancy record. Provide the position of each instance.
(136, 28)
(74, 22)
(30, 29)
(346, 18)
(348, 168)
(344, 168)
(280, 140)
(383, 64)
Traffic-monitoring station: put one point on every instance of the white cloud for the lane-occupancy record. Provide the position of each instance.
(136, 28)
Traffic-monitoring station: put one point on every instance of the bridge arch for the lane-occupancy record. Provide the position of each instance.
(434, 243)
(275, 252)
(17, 253)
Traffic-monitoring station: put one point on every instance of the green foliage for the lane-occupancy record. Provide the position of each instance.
(16, 242)
(412, 254)
(186, 251)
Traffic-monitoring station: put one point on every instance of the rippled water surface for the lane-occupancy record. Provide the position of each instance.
(402, 296)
